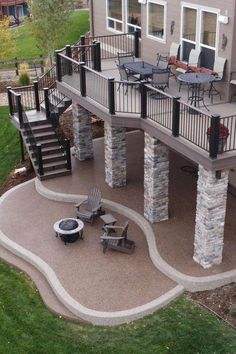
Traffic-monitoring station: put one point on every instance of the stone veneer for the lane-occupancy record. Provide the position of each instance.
(210, 217)
(82, 129)
(115, 155)
(156, 179)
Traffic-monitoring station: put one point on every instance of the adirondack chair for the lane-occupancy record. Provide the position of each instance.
(91, 207)
(115, 237)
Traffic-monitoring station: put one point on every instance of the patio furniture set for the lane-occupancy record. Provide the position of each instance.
(190, 73)
(114, 236)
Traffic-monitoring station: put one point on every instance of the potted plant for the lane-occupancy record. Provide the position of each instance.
(223, 135)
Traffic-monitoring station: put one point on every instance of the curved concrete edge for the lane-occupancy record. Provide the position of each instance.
(89, 315)
(191, 283)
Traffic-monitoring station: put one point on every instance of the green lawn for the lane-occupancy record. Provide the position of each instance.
(9, 145)
(26, 45)
(27, 327)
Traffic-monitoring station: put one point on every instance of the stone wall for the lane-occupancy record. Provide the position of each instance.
(82, 130)
(156, 179)
(210, 217)
(115, 156)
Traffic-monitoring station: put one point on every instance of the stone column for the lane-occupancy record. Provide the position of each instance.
(156, 180)
(82, 129)
(115, 156)
(210, 217)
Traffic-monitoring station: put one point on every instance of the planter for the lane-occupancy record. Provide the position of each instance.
(223, 135)
(222, 143)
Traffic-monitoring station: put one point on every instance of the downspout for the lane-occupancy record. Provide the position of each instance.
(91, 6)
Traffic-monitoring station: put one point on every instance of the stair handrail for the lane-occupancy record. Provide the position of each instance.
(53, 116)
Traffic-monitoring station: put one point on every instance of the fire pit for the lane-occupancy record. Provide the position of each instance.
(69, 229)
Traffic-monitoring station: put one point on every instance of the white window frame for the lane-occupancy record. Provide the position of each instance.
(114, 19)
(126, 18)
(164, 4)
(200, 9)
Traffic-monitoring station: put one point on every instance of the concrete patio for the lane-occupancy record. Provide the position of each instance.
(111, 288)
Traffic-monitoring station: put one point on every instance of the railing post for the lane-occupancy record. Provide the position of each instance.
(93, 54)
(22, 147)
(143, 90)
(111, 95)
(40, 159)
(69, 55)
(36, 95)
(175, 116)
(9, 95)
(58, 66)
(214, 135)
(136, 43)
(41, 64)
(97, 56)
(20, 113)
(16, 66)
(68, 155)
(82, 80)
(47, 103)
(83, 53)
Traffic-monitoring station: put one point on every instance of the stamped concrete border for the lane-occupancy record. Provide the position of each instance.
(190, 283)
(92, 316)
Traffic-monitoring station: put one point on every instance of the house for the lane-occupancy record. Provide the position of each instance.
(15, 8)
(87, 75)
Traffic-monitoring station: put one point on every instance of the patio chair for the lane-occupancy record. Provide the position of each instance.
(162, 61)
(160, 79)
(115, 237)
(218, 72)
(91, 207)
(191, 65)
(124, 58)
(126, 78)
(173, 56)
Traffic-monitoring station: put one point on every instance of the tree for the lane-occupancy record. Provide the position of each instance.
(7, 43)
(48, 22)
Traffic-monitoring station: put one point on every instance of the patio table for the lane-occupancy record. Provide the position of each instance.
(141, 67)
(195, 82)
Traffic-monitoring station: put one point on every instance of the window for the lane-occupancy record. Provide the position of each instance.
(114, 15)
(199, 29)
(133, 15)
(156, 19)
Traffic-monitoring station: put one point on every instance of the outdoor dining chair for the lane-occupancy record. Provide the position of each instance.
(191, 65)
(162, 61)
(218, 72)
(124, 58)
(160, 79)
(126, 78)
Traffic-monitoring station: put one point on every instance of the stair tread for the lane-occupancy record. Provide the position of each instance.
(52, 156)
(56, 172)
(38, 135)
(54, 163)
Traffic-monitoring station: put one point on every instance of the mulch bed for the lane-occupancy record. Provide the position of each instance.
(221, 301)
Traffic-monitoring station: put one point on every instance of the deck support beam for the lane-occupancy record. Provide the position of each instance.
(210, 217)
(115, 156)
(156, 179)
(82, 130)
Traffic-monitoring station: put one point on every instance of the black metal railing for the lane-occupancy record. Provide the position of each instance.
(159, 107)
(194, 124)
(27, 96)
(127, 97)
(228, 132)
(47, 80)
(95, 86)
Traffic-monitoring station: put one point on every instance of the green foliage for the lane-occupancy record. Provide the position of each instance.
(49, 22)
(180, 328)
(9, 146)
(7, 43)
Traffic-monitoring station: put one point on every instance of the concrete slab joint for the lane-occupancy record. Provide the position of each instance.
(82, 130)
(115, 156)
(210, 217)
(156, 179)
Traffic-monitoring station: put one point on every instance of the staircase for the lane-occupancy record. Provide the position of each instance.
(35, 110)
(53, 152)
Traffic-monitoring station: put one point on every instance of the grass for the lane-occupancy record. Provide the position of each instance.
(180, 328)
(9, 145)
(26, 46)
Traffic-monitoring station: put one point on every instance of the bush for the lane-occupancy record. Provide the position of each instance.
(24, 78)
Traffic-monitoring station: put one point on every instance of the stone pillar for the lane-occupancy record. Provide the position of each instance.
(82, 129)
(156, 179)
(115, 156)
(210, 217)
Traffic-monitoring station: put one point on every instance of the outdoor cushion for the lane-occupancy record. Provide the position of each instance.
(172, 60)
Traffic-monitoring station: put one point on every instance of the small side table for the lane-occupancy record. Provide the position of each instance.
(108, 219)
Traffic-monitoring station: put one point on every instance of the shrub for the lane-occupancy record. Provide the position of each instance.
(24, 78)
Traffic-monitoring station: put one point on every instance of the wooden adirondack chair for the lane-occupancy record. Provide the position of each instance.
(91, 207)
(115, 237)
